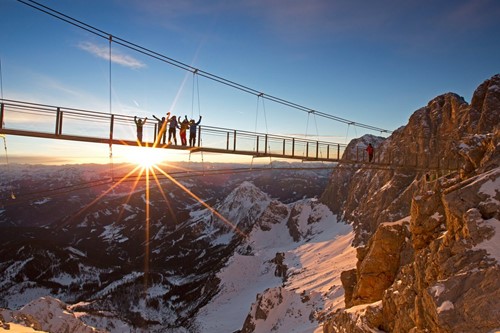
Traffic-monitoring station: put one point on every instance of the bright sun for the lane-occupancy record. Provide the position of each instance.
(146, 157)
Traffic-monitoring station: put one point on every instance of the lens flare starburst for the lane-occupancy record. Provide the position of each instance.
(148, 166)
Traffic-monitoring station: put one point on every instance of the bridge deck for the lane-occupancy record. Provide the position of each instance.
(51, 122)
(44, 121)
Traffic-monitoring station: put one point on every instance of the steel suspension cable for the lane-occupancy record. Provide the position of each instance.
(110, 106)
(181, 65)
(7, 163)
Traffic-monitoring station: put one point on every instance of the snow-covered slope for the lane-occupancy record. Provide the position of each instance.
(93, 258)
(299, 279)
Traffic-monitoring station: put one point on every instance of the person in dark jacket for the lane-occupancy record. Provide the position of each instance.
(162, 128)
(192, 131)
(172, 130)
(139, 123)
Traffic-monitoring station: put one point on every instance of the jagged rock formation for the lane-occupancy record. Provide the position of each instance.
(378, 263)
(50, 315)
(367, 197)
(437, 270)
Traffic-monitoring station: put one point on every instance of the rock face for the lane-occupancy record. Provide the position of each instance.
(379, 263)
(431, 254)
(50, 315)
(367, 197)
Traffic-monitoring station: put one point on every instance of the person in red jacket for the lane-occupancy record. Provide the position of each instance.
(370, 149)
(183, 130)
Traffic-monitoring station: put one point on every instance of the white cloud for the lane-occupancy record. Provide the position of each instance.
(116, 57)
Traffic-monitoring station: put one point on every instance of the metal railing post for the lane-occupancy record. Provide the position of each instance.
(58, 115)
(111, 128)
(265, 144)
(234, 141)
(59, 118)
(1, 115)
(257, 148)
(60, 123)
(227, 141)
(199, 136)
(317, 149)
(293, 147)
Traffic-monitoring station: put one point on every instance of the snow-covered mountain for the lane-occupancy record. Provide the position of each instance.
(294, 280)
(96, 258)
(263, 254)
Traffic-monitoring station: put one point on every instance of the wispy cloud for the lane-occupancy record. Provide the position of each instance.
(116, 57)
(472, 14)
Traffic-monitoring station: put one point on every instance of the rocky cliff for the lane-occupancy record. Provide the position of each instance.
(428, 236)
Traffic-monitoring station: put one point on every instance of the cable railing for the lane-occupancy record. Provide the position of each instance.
(44, 121)
(39, 120)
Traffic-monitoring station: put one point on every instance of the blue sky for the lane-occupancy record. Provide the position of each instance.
(370, 62)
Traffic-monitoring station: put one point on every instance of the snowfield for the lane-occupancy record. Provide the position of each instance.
(313, 284)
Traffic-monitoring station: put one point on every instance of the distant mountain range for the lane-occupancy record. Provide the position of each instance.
(290, 248)
(145, 259)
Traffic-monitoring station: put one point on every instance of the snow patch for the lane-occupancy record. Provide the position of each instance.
(437, 289)
(313, 277)
(492, 245)
(445, 306)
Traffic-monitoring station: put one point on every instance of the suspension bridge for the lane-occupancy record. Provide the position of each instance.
(24, 118)
(53, 122)
(28, 119)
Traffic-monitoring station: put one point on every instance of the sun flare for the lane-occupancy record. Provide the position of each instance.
(145, 157)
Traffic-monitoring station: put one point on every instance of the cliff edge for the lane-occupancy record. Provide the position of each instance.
(427, 236)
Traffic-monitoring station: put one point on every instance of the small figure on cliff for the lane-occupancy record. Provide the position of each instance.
(370, 149)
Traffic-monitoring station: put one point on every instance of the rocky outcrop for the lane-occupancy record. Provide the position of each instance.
(439, 271)
(432, 139)
(269, 299)
(281, 267)
(50, 315)
(380, 262)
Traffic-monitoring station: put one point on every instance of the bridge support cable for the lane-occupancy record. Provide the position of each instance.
(267, 144)
(7, 163)
(195, 94)
(195, 97)
(181, 65)
(111, 126)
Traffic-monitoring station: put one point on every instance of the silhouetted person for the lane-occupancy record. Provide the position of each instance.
(183, 131)
(370, 149)
(192, 131)
(172, 130)
(139, 123)
(162, 128)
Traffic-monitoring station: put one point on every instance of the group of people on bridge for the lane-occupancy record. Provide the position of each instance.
(174, 123)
